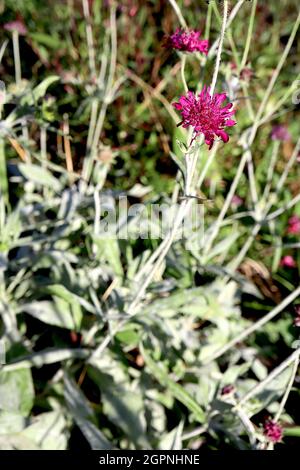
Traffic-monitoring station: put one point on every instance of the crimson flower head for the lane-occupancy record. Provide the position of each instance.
(206, 115)
(187, 41)
(273, 431)
(288, 262)
(294, 225)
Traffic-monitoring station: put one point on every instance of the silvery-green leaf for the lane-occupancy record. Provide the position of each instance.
(108, 248)
(16, 442)
(47, 356)
(176, 389)
(11, 422)
(123, 405)
(84, 416)
(48, 431)
(16, 391)
(172, 440)
(39, 176)
(234, 372)
(59, 313)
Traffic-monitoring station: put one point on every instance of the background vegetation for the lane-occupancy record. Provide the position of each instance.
(88, 118)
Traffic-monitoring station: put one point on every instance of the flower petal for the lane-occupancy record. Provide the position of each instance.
(224, 136)
(230, 122)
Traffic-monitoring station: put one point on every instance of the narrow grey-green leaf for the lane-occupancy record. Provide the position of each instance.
(40, 176)
(177, 390)
(47, 356)
(83, 415)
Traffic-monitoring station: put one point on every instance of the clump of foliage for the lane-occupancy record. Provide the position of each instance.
(148, 342)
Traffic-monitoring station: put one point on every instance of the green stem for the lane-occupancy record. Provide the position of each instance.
(249, 36)
(254, 327)
(261, 385)
(3, 173)
(17, 61)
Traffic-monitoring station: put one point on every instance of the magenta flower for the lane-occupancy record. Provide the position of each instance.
(16, 26)
(206, 115)
(288, 262)
(187, 41)
(297, 315)
(280, 132)
(294, 225)
(273, 431)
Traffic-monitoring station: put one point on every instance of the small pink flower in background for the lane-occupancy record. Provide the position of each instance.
(293, 224)
(16, 26)
(227, 389)
(280, 132)
(187, 41)
(297, 316)
(288, 262)
(133, 11)
(206, 115)
(246, 74)
(236, 200)
(273, 431)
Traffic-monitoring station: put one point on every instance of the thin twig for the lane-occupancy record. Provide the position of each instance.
(249, 36)
(17, 61)
(231, 17)
(178, 13)
(261, 385)
(89, 38)
(220, 47)
(67, 146)
(254, 327)
(288, 389)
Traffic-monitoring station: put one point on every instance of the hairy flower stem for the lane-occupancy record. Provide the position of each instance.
(191, 163)
(178, 13)
(159, 255)
(232, 15)
(208, 21)
(283, 209)
(271, 169)
(217, 224)
(293, 358)
(89, 37)
(254, 327)
(220, 47)
(16, 52)
(214, 79)
(288, 388)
